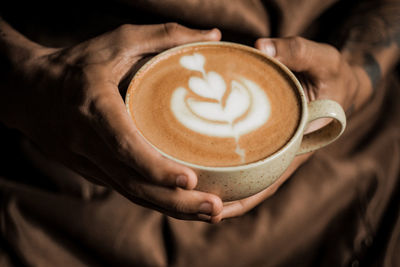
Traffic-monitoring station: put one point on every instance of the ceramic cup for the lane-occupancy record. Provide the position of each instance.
(237, 182)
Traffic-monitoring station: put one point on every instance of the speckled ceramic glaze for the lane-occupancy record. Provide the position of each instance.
(232, 183)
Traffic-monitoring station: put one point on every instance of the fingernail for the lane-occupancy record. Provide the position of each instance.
(213, 33)
(181, 181)
(205, 207)
(206, 31)
(268, 48)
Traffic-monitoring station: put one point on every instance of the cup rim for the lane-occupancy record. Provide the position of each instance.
(297, 134)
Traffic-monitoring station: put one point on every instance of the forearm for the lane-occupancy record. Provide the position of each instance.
(15, 47)
(16, 56)
(372, 44)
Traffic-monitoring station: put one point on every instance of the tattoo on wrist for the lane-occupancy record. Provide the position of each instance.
(350, 110)
(374, 28)
(373, 70)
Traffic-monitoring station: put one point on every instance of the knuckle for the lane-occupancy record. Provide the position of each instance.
(122, 147)
(172, 29)
(336, 63)
(121, 42)
(162, 177)
(124, 29)
(141, 162)
(158, 176)
(95, 104)
(297, 47)
(216, 219)
(336, 60)
(178, 206)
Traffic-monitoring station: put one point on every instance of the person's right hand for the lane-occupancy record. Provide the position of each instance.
(324, 74)
(71, 108)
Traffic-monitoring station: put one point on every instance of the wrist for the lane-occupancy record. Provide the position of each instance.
(364, 87)
(16, 49)
(18, 57)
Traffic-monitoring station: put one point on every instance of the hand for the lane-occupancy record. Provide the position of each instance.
(70, 106)
(324, 74)
(321, 69)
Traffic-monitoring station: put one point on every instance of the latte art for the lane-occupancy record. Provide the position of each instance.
(218, 110)
(214, 105)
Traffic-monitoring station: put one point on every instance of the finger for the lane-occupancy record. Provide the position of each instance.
(189, 205)
(123, 47)
(160, 37)
(173, 201)
(180, 201)
(176, 202)
(181, 216)
(118, 170)
(240, 207)
(113, 123)
(301, 55)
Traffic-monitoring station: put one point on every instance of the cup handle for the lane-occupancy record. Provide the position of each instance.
(323, 109)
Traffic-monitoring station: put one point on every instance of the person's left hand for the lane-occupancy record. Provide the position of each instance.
(67, 102)
(324, 74)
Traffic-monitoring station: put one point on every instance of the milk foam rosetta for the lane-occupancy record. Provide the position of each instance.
(217, 109)
(214, 106)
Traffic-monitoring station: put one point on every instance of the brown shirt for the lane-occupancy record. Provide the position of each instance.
(339, 209)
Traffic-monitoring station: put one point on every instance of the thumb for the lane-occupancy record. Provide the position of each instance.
(299, 54)
(164, 36)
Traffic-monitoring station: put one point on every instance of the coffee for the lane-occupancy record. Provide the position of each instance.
(214, 105)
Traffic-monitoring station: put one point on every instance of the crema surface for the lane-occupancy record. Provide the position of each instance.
(215, 106)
